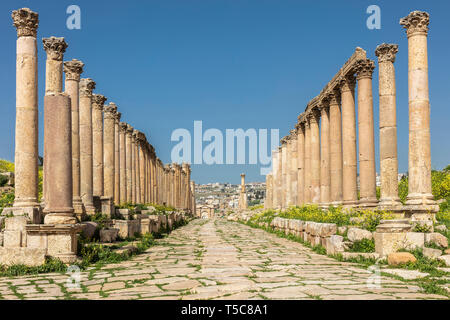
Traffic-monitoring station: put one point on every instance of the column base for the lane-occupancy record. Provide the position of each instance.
(78, 207)
(59, 218)
(335, 203)
(89, 209)
(368, 203)
(350, 203)
(421, 203)
(33, 214)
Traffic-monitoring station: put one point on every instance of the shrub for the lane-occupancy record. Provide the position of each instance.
(3, 180)
(6, 166)
(364, 245)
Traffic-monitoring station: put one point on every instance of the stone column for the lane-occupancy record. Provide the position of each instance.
(97, 143)
(367, 173)
(123, 162)
(349, 169)
(117, 117)
(293, 167)
(301, 163)
(242, 194)
(129, 162)
(187, 183)
(325, 173)
(26, 134)
(307, 189)
(108, 150)
(268, 204)
(275, 177)
(287, 167)
(283, 171)
(58, 156)
(86, 173)
(388, 126)
(419, 197)
(336, 179)
(315, 156)
(55, 48)
(73, 69)
(137, 167)
(142, 169)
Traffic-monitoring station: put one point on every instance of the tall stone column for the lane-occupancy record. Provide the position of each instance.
(142, 169)
(325, 172)
(275, 192)
(194, 209)
(283, 171)
(268, 204)
(242, 195)
(419, 196)
(349, 169)
(98, 101)
(336, 179)
(301, 163)
(129, 162)
(137, 167)
(123, 162)
(367, 173)
(58, 156)
(307, 189)
(293, 167)
(315, 156)
(287, 171)
(55, 48)
(73, 69)
(109, 150)
(117, 117)
(26, 134)
(388, 126)
(86, 161)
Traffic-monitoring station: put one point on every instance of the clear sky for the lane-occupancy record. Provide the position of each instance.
(229, 63)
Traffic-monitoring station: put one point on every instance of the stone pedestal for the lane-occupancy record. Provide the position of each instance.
(107, 206)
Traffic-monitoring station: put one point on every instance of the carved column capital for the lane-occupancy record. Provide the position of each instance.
(364, 69)
(97, 101)
(110, 111)
(26, 22)
(416, 23)
(129, 129)
(73, 69)
(386, 52)
(55, 48)
(347, 83)
(123, 127)
(87, 85)
(117, 116)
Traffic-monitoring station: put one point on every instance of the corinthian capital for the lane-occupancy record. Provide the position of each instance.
(416, 23)
(73, 69)
(364, 69)
(123, 127)
(110, 111)
(347, 83)
(55, 48)
(117, 116)
(98, 101)
(26, 22)
(386, 52)
(87, 85)
(129, 129)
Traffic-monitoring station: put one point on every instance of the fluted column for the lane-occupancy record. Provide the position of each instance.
(123, 162)
(388, 126)
(367, 173)
(307, 162)
(137, 167)
(117, 117)
(315, 156)
(86, 173)
(287, 163)
(97, 143)
(109, 150)
(275, 174)
(26, 133)
(129, 162)
(142, 170)
(349, 155)
(301, 163)
(419, 196)
(58, 156)
(283, 171)
(293, 167)
(268, 204)
(336, 179)
(73, 69)
(325, 171)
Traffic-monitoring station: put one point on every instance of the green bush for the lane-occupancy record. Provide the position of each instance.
(3, 180)
(6, 166)
(364, 245)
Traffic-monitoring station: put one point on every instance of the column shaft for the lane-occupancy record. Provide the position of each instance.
(325, 176)
(315, 157)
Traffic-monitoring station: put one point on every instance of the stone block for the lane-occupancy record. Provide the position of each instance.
(145, 226)
(386, 243)
(334, 244)
(432, 253)
(367, 255)
(436, 238)
(12, 238)
(127, 228)
(414, 240)
(397, 258)
(446, 259)
(107, 206)
(16, 223)
(108, 235)
(33, 214)
(328, 229)
(357, 234)
(27, 256)
(89, 228)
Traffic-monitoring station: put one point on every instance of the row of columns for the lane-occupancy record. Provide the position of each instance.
(89, 155)
(317, 162)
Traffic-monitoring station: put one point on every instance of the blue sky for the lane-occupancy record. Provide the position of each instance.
(230, 63)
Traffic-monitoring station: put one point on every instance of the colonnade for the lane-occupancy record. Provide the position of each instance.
(317, 162)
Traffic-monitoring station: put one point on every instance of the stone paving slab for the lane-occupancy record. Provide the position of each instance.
(217, 259)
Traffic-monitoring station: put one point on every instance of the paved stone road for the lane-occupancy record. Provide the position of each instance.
(216, 259)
